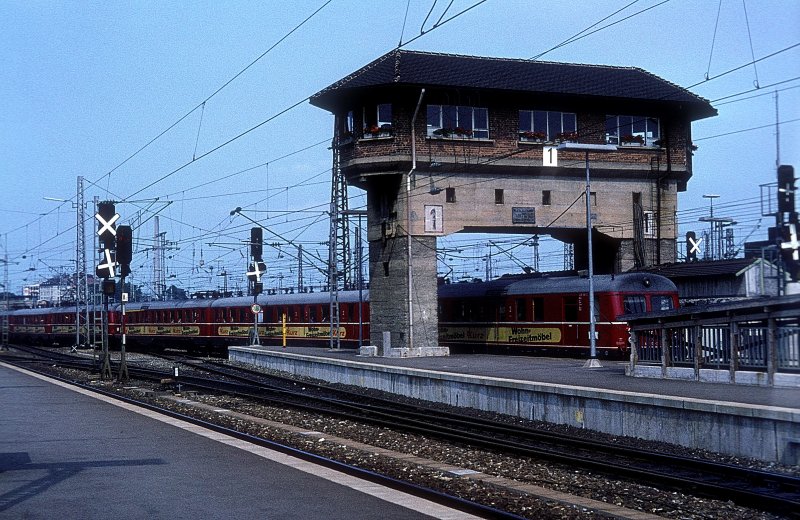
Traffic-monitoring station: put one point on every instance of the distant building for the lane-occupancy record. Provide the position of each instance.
(717, 281)
(57, 290)
(31, 292)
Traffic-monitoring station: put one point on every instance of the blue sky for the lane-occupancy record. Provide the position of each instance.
(88, 84)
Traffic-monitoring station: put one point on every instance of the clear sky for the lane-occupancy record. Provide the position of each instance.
(86, 85)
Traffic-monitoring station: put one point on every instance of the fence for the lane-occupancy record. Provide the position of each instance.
(755, 336)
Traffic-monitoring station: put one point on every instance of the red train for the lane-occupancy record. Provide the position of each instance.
(539, 312)
(514, 313)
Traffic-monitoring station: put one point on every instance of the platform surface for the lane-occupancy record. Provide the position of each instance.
(64, 454)
(565, 371)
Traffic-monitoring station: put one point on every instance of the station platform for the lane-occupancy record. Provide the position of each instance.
(747, 421)
(66, 453)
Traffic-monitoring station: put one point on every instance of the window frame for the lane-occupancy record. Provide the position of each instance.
(552, 132)
(649, 223)
(634, 304)
(470, 130)
(616, 133)
(660, 300)
(375, 125)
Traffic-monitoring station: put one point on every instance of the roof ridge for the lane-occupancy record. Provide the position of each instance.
(518, 60)
(558, 63)
(567, 78)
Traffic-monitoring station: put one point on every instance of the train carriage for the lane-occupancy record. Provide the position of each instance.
(538, 312)
(223, 322)
(517, 314)
(181, 323)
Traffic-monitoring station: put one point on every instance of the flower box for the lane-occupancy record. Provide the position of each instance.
(567, 137)
(631, 140)
(453, 133)
(375, 131)
(536, 137)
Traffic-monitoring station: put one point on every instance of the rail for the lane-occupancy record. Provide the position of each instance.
(759, 337)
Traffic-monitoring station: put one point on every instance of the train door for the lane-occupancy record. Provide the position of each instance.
(537, 302)
(570, 324)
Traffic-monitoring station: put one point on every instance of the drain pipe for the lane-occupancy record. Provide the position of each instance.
(408, 221)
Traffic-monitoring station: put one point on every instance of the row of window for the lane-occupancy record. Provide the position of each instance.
(565, 308)
(456, 121)
(294, 313)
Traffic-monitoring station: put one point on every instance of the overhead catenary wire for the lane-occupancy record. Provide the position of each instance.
(709, 137)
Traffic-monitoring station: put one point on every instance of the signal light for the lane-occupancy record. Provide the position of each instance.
(256, 243)
(124, 249)
(789, 243)
(785, 189)
(106, 227)
(691, 246)
(109, 287)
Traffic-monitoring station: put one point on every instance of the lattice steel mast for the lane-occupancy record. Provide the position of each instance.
(81, 279)
(339, 259)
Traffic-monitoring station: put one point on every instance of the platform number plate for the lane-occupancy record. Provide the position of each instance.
(549, 156)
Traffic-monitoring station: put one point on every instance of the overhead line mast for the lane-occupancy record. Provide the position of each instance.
(338, 240)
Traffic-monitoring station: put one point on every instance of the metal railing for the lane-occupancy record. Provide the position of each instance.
(759, 335)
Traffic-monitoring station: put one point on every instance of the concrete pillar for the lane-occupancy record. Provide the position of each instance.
(414, 334)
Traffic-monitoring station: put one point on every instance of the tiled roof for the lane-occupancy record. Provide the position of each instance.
(402, 67)
(702, 268)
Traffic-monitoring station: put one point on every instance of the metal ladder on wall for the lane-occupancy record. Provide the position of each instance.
(4, 344)
(95, 337)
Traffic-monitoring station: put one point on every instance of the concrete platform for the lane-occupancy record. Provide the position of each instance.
(65, 453)
(746, 421)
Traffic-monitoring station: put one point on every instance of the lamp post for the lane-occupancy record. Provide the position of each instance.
(592, 362)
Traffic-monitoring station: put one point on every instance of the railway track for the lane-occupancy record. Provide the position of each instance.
(773, 492)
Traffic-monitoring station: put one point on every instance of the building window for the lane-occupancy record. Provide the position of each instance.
(457, 121)
(450, 194)
(593, 197)
(346, 125)
(542, 125)
(546, 197)
(649, 223)
(632, 130)
(378, 120)
(498, 196)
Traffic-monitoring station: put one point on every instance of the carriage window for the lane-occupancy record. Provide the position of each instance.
(312, 313)
(520, 309)
(633, 304)
(570, 308)
(538, 309)
(660, 303)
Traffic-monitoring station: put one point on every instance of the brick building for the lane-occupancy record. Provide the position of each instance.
(447, 143)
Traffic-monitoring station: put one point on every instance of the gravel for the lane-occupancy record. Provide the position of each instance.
(624, 493)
